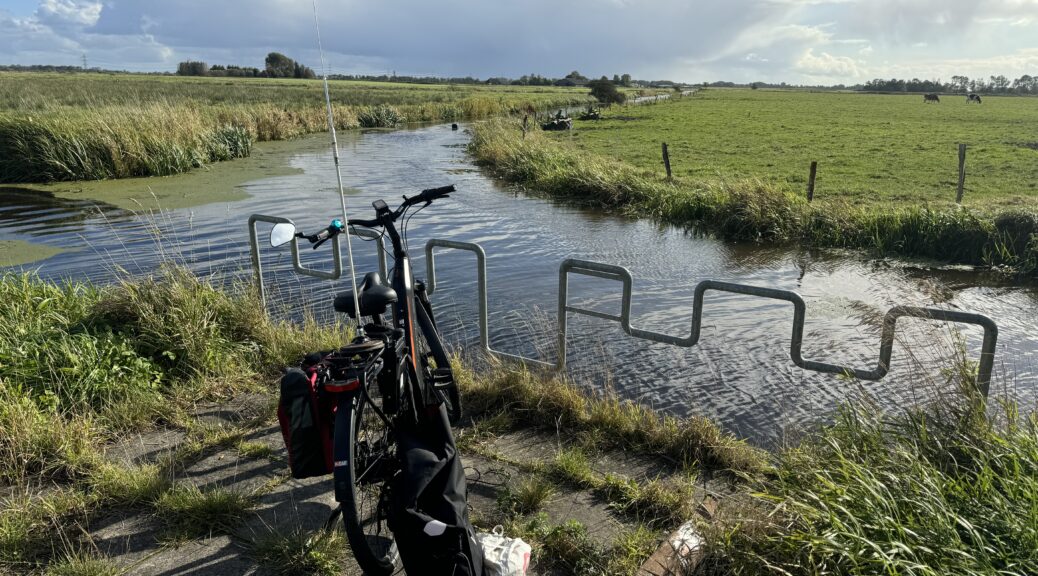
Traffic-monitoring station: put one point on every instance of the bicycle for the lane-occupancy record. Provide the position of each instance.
(388, 378)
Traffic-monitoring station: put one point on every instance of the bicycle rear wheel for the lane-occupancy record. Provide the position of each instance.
(372, 460)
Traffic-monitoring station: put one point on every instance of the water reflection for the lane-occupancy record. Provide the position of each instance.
(39, 213)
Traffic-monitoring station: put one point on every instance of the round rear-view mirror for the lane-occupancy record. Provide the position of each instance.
(282, 234)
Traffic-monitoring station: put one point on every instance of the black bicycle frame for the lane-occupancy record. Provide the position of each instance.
(405, 317)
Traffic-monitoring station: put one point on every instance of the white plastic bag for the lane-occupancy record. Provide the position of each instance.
(504, 556)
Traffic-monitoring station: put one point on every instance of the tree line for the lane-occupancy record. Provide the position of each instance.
(276, 65)
(1000, 84)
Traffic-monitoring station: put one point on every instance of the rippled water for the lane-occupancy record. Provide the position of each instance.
(740, 373)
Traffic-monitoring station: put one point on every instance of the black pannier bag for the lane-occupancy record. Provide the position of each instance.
(305, 424)
(428, 509)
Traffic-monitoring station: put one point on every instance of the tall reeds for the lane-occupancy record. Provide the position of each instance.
(74, 128)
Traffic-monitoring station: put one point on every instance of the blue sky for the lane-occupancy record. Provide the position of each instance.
(796, 41)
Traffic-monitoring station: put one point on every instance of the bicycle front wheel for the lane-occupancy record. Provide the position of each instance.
(435, 364)
(365, 509)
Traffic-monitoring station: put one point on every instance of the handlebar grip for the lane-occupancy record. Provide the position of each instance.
(430, 194)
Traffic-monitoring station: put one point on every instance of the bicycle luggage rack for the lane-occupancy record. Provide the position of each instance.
(622, 275)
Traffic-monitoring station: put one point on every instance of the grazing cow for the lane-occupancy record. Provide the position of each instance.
(973, 97)
(927, 98)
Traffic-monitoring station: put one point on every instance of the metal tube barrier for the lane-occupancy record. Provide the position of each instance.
(481, 284)
(336, 272)
(623, 275)
(611, 272)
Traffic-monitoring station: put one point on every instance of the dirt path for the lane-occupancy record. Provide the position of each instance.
(248, 458)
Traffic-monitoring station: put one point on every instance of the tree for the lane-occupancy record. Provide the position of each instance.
(625, 80)
(605, 92)
(576, 76)
(999, 83)
(191, 68)
(962, 82)
(280, 66)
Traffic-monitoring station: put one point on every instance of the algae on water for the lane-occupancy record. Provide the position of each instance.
(17, 252)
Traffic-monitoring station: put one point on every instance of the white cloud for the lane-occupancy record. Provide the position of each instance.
(826, 64)
(65, 13)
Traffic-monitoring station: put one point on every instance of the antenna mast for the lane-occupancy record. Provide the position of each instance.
(338, 173)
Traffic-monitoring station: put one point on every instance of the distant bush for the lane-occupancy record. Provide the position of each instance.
(605, 92)
(190, 68)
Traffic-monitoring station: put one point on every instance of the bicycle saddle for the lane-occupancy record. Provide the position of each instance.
(374, 297)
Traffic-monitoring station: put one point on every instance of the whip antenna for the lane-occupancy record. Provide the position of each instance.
(338, 173)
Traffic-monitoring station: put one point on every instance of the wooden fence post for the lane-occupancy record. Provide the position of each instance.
(811, 182)
(962, 173)
(666, 160)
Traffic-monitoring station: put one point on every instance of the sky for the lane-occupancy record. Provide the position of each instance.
(794, 41)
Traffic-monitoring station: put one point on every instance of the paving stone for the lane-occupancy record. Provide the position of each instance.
(144, 447)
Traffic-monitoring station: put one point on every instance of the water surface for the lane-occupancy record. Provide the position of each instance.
(739, 374)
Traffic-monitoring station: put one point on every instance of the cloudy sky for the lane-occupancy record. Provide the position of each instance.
(796, 41)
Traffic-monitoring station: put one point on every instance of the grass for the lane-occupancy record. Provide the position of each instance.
(933, 490)
(917, 492)
(81, 365)
(528, 495)
(189, 512)
(551, 403)
(871, 149)
(567, 548)
(299, 553)
(83, 564)
(753, 209)
(56, 127)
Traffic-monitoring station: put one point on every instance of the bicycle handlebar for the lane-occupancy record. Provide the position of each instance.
(336, 227)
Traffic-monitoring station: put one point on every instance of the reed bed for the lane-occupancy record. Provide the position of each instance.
(754, 210)
(89, 127)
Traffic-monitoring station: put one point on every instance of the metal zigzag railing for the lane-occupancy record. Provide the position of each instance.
(571, 266)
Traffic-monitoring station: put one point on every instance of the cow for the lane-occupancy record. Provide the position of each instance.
(973, 97)
(927, 98)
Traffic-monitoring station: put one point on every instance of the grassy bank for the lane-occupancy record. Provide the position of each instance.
(57, 127)
(82, 366)
(753, 209)
(938, 490)
(922, 492)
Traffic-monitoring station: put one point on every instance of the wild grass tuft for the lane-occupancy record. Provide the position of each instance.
(301, 553)
(84, 564)
(32, 522)
(528, 495)
(37, 442)
(940, 490)
(189, 512)
(114, 485)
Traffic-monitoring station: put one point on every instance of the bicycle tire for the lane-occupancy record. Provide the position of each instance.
(430, 349)
(371, 459)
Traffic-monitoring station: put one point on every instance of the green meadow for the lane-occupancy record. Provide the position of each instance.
(881, 149)
(56, 127)
(886, 182)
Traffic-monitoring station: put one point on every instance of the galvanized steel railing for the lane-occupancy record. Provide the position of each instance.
(622, 275)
